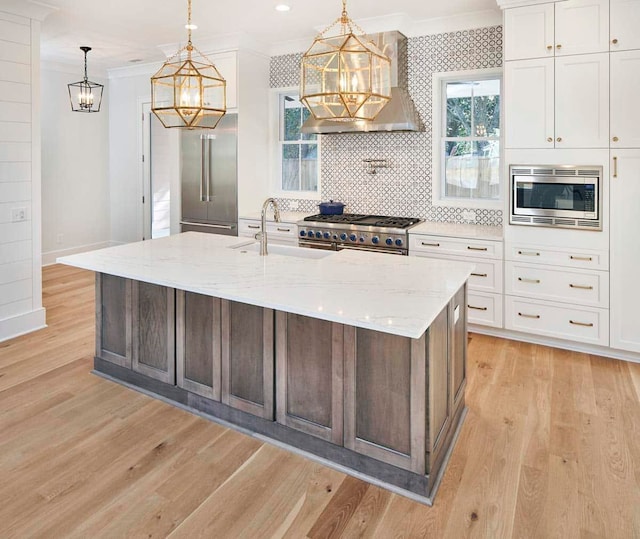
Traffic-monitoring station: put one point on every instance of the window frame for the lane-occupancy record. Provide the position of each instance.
(275, 99)
(438, 197)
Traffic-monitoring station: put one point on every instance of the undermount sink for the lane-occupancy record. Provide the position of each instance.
(284, 250)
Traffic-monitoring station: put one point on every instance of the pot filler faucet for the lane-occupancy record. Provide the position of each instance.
(262, 235)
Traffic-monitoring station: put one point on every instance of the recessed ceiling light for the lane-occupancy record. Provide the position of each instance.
(283, 7)
(191, 26)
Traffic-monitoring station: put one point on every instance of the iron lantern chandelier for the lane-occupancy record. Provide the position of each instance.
(85, 96)
(189, 93)
(345, 76)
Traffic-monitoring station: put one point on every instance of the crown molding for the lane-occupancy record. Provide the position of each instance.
(219, 44)
(504, 4)
(29, 8)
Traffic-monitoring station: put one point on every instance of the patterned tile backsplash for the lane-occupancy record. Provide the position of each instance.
(404, 188)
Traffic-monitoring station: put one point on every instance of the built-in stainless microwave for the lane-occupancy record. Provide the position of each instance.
(556, 195)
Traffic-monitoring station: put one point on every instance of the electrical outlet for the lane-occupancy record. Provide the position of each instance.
(469, 216)
(18, 214)
(293, 205)
(59, 238)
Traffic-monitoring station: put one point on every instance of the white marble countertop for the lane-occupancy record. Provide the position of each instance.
(285, 216)
(394, 294)
(459, 230)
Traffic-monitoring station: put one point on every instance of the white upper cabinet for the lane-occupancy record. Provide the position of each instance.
(582, 27)
(529, 116)
(625, 89)
(625, 22)
(625, 250)
(530, 32)
(582, 101)
(227, 65)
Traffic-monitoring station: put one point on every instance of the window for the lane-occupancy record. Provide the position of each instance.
(298, 163)
(467, 139)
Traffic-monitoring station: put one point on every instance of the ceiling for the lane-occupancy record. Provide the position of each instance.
(122, 31)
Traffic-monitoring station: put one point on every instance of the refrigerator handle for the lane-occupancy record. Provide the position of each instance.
(209, 163)
(203, 166)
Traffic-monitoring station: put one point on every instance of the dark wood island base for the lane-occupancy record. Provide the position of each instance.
(382, 407)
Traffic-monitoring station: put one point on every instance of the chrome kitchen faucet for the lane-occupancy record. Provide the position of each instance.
(262, 235)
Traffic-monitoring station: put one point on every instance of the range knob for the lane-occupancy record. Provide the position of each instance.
(361, 239)
(343, 236)
(375, 240)
(326, 235)
(399, 242)
(335, 236)
(353, 237)
(389, 241)
(310, 233)
(318, 235)
(303, 233)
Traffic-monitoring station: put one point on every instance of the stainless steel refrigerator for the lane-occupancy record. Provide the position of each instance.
(209, 178)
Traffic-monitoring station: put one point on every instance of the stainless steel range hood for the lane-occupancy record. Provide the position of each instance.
(399, 114)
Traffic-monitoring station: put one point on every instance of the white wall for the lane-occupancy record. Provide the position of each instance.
(20, 260)
(75, 169)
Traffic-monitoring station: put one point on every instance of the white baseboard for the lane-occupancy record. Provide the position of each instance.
(556, 343)
(50, 257)
(22, 324)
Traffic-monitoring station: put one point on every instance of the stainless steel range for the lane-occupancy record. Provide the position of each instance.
(356, 231)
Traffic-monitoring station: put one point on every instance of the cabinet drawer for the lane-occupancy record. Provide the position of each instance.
(582, 324)
(486, 277)
(277, 232)
(574, 258)
(484, 309)
(454, 246)
(580, 287)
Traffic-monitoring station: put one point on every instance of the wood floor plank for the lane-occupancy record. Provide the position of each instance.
(549, 448)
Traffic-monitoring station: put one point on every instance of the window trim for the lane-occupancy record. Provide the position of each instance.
(437, 128)
(275, 154)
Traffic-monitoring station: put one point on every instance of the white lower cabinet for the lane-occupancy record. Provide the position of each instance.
(560, 293)
(281, 233)
(484, 302)
(562, 321)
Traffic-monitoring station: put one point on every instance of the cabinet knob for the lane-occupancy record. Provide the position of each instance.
(549, 47)
(615, 139)
(559, 139)
(558, 46)
(549, 139)
(614, 41)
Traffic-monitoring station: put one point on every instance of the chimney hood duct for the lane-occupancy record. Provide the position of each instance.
(399, 114)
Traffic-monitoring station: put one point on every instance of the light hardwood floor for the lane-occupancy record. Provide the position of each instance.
(550, 448)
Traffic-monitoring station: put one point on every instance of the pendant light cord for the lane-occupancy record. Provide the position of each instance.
(189, 44)
(85, 66)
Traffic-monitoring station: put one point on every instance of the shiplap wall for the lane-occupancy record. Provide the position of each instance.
(20, 277)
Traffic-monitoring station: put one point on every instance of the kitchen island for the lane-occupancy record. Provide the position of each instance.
(354, 358)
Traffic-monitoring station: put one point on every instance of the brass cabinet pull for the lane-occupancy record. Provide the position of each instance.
(283, 229)
(253, 226)
(581, 287)
(559, 139)
(615, 167)
(477, 248)
(549, 139)
(614, 41)
(549, 47)
(477, 308)
(479, 274)
(583, 258)
(430, 244)
(558, 46)
(528, 253)
(615, 139)
(532, 281)
(535, 316)
(589, 325)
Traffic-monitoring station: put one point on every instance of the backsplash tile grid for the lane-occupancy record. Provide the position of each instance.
(405, 187)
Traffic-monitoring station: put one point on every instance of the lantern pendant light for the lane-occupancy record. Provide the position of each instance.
(345, 76)
(85, 96)
(188, 93)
